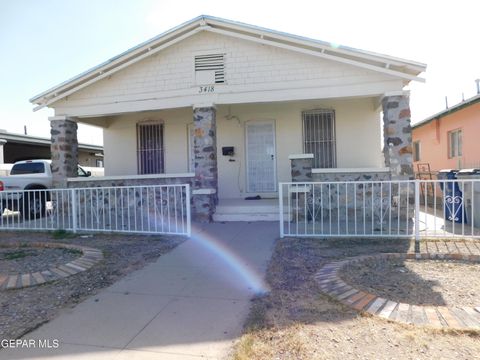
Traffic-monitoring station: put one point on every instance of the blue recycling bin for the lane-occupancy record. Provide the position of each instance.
(453, 196)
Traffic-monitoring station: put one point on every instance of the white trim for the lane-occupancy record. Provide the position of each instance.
(300, 156)
(131, 177)
(204, 191)
(318, 54)
(113, 70)
(296, 189)
(322, 45)
(350, 170)
(190, 147)
(61, 117)
(255, 33)
(184, 98)
(204, 105)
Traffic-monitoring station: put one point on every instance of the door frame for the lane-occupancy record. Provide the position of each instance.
(247, 183)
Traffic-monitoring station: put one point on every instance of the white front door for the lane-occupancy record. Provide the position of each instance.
(261, 169)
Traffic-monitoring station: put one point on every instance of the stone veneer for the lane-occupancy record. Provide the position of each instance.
(397, 134)
(64, 149)
(206, 171)
(301, 167)
(351, 176)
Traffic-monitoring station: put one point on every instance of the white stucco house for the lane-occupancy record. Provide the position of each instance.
(230, 107)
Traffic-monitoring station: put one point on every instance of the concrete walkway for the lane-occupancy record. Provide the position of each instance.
(190, 304)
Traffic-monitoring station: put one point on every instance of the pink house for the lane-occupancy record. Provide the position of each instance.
(449, 139)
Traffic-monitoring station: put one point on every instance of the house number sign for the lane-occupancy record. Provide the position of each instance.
(206, 89)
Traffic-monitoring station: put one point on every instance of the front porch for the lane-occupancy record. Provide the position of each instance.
(237, 151)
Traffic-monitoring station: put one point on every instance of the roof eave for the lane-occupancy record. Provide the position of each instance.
(131, 52)
(410, 69)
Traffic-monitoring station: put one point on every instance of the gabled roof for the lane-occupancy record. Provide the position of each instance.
(404, 69)
(455, 108)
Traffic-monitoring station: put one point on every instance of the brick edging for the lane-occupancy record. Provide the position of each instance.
(89, 258)
(464, 318)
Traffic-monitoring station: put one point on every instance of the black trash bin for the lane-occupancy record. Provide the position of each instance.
(453, 196)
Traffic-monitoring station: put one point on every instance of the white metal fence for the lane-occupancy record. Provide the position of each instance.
(416, 208)
(163, 209)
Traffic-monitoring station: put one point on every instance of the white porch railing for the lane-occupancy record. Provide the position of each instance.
(157, 209)
(416, 208)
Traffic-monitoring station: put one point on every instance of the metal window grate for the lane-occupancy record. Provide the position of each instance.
(150, 148)
(214, 63)
(319, 137)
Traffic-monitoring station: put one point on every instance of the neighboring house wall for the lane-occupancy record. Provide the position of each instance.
(357, 138)
(433, 138)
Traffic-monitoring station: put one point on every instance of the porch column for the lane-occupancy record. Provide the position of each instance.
(301, 167)
(64, 149)
(205, 186)
(397, 136)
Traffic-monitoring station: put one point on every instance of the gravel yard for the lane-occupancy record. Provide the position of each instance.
(25, 259)
(297, 321)
(22, 310)
(441, 283)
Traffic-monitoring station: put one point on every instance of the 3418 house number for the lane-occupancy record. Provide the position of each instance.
(206, 89)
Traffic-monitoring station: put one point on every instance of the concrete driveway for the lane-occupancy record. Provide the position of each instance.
(191, 303)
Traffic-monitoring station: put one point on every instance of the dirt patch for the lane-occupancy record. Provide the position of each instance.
(22, 310)
(296, 321)
(426, 282)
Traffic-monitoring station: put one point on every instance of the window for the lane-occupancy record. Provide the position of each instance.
(210, 69)
(150, 148)
(416, 151)
(455, 143)
(98, 163)
(319, 137)
(28, 168)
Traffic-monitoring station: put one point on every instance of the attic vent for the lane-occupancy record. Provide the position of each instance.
(210, 69)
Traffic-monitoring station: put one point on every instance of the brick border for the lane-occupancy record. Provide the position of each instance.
(90, 257)
(463, 318)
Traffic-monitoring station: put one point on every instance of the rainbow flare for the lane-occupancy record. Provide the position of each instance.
(252, 278)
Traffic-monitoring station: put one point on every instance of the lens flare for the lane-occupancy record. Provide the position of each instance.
(252, 278)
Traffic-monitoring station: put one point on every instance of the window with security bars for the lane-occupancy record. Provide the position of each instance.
(150, 148)
(319, 137)
(210, 69)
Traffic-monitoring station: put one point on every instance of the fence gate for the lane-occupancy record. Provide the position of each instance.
(411, 208)
(155, 209)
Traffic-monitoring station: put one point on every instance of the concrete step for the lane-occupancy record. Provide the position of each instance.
(220, 217)
(247, 210)
(260, 209)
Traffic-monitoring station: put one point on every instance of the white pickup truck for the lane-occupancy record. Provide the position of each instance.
(26, 189)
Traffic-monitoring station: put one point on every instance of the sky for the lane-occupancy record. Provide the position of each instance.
(45, 42)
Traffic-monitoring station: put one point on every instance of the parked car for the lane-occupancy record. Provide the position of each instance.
(26, 189)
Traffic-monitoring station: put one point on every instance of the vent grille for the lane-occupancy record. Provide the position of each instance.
(212, 63)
